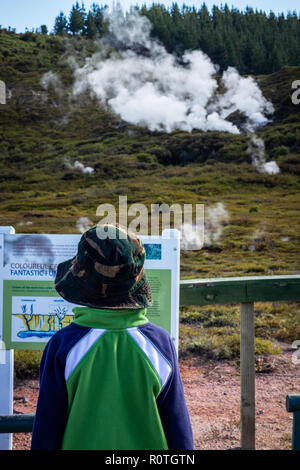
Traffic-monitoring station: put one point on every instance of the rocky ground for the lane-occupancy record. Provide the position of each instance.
(212, 392)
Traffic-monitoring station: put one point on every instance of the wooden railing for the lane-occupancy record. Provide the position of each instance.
(245, 291)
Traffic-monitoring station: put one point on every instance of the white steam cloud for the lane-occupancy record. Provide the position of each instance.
(52, 80)
(215, 218)
(79, 167)
(154, 90)
(25, 223)
(257, 237)
(191, 236)
(256, 149)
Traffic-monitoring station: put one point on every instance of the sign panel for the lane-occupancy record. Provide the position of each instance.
(32, 310)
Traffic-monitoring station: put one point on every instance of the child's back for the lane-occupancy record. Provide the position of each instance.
(110, 380)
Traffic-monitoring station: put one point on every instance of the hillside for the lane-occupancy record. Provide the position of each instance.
(43, 133)
(45, 130)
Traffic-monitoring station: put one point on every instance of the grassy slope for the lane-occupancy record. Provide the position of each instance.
(37, 133)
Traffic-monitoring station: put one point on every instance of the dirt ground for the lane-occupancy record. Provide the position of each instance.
(212, 391)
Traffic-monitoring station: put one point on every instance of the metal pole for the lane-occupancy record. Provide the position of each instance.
(293, 405)
(16, 423)
(247, 377)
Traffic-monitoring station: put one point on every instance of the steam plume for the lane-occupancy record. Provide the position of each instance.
(153, 89)
(79, 167)
(52, 80)
(257, 151)
(83, 224)
(215, 218)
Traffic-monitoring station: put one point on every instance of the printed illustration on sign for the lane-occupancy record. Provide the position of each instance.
(40, 317)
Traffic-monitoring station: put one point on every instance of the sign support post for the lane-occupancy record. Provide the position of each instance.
(6, 365)
(6, 392)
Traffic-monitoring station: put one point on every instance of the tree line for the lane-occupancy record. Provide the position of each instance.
(252, 41)
(89, 24)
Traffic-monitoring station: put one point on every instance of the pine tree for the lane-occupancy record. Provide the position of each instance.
(190, 33)
(61, 24)
(277, 58)
(220, 55)
(176, 29)
(248, 56)
(90, 30)
(76, 19)
(204, 16)
(259, 58)
(44, 29)
(232, 58)
(161, 24)
(100, 22)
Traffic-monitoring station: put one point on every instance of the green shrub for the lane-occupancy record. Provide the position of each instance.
(145, 157)
(211, 316)
(214, 331)
(26, 363)
(280, 321)
(253, 268)
(280, 151)
(210, 348)
(264, 346)
(221, 347)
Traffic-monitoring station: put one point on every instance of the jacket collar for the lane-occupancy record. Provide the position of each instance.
(108, 318)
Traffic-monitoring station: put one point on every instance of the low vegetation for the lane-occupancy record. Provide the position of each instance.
(214, 332)
(41, 131)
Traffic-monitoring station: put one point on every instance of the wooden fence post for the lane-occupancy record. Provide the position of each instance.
(247, 371)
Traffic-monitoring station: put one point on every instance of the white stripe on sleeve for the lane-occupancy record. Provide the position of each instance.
(159, 362)
(80, 349)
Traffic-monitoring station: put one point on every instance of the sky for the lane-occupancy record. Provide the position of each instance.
(20, 14)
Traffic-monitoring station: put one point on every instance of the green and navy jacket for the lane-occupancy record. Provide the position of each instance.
(110, 381)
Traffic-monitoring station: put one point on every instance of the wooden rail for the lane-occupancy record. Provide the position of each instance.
(233, 290)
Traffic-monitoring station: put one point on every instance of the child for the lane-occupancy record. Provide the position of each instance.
(109, 380)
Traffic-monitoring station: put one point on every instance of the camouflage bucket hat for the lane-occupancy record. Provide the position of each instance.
(106, 273)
